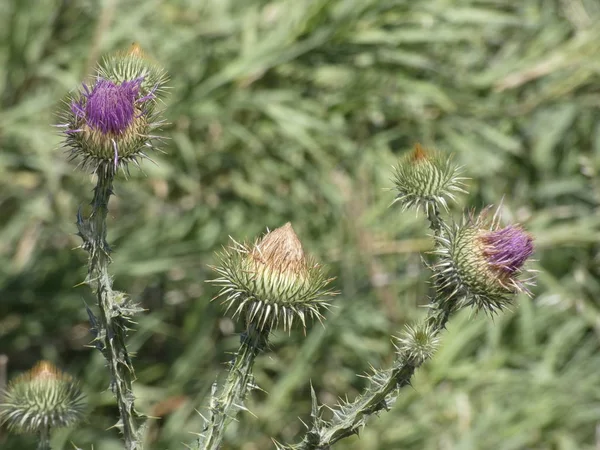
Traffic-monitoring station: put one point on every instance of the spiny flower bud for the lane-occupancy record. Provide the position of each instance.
(481, 263)
(417, 344)
(110, 122)
(41, 399)
(425, 179)
(272, 281)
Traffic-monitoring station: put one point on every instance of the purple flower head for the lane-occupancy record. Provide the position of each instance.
(482, 264)
(111, 122)
(507, 248)
(110, 107)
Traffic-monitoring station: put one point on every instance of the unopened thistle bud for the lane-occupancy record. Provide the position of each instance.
(481, 263)
(111, 122)
(41, 399)
(272, 281)
(417, 344)
(425, 179)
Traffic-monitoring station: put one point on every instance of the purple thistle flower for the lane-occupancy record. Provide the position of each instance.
(481, 264)
(109, 107)
(111, 123)
(508, 248)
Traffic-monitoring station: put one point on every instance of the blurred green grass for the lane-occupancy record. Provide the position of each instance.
(295, 111)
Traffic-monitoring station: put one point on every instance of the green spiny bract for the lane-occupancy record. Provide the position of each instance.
(41, 399)
(425, 179)
(131, 65)
(272, 281)
(112, 122)
(480, 264)
(417, 344)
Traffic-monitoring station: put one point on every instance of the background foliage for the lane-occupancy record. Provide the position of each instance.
(295, 110)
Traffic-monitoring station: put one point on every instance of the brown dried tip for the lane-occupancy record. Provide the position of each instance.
(45, 370)
(281, 250)
(136, 50)
(419, 152)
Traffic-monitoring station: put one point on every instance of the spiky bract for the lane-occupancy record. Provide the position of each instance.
(40, 399)
(135, 64)
(417, 344)
(481, 263)
(110, 123)
(272, 281)
(425, 179)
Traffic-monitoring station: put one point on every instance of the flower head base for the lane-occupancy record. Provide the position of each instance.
(40, 399)
(425, 179)
(481, 263)
(111, 123)
(272, 281)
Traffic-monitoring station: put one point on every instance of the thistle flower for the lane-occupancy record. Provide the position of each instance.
(110, 122)
(272, 281)
(417, 344)
(40, 399)
(425, 179)
(481, 263)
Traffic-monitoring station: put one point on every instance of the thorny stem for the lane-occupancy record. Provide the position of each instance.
(110, 332)
(384, 385)
(380, 395)
(435, 220)
(225, 404)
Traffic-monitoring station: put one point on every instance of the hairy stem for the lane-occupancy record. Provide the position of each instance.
(115, 310)
(379, 395)
(225, 405)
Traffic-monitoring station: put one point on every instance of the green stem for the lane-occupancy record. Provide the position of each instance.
(435, 219)
(44, 443)
(225, 405)
(111, 329)
(379, 395)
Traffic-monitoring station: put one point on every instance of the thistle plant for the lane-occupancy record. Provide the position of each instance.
(479, 265)
(267, 284)
(108, 125)
(40, 400)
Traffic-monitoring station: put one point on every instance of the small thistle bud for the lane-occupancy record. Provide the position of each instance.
(272, 281)
(417, 344)
(110, 122)
(425, 179)
(481, 263)
(41, 399)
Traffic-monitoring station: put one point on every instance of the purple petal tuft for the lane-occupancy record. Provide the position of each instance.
(110, 107)
(508, 248)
